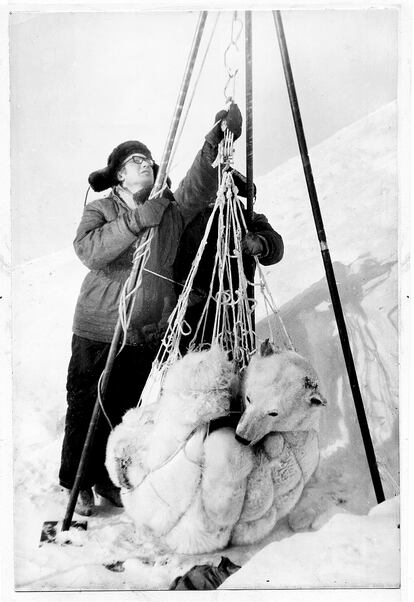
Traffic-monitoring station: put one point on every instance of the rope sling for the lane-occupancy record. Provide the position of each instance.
(227, 298)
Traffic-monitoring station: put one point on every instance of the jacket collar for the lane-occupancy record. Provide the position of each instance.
(125, 196)
(128, 198)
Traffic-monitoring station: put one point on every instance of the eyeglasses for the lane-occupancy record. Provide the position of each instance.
(140, 160)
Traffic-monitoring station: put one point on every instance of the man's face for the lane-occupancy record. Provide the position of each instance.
(136, 173)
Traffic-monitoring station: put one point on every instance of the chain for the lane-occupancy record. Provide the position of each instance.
(231, 56)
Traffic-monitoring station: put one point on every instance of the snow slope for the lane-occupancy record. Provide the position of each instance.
(355, 174)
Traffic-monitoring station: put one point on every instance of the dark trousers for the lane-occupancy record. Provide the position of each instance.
(128, 376)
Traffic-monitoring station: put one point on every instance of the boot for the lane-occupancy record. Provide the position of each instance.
(85, 503)
(110, 492)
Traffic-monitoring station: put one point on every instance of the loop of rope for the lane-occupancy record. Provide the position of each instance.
(125, 309)
(185, 328)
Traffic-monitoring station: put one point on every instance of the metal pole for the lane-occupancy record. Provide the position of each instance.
(181, 100)
(159, 182)
(249, 152)
(330, 275)
(249, 117)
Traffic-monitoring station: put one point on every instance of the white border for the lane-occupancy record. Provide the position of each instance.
(406, 420)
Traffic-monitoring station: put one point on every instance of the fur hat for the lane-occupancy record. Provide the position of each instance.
(107, 177)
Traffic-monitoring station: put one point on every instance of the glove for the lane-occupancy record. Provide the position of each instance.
(241, 182)
(252, 244)
(150, 213)
(154, 332)
(232, 118)
(152, 335)
(166, 312)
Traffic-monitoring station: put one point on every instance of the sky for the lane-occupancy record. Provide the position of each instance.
(82, 82)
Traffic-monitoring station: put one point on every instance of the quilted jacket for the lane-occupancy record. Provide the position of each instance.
(105, 243)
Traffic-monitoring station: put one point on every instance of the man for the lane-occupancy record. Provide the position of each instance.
(105, 242)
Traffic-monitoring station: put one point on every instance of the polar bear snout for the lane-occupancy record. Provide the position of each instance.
(253, 426)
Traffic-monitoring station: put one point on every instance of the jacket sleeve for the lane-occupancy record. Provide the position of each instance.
(272, 240)
(199, 187)
(98, 241)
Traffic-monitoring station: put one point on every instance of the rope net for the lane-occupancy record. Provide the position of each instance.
(225, 313)
(225, 316)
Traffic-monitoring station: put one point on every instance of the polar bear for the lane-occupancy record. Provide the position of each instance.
(280, 393)
(207, 524)
(159, 457)
(197, 491)
(280, 422)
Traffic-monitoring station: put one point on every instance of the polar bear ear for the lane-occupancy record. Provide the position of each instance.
(267, 348)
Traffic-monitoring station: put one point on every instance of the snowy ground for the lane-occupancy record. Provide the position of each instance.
(343, 545)
(348, 551)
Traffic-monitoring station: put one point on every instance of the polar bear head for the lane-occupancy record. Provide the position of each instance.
(280, 393)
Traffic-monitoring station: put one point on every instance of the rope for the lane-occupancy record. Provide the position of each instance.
(101, 403)
(163, 277)
(270, 304)
(165, 462)
(187, 110)
(231, 307)
(86, 196)
(125, 309)
(232, 325)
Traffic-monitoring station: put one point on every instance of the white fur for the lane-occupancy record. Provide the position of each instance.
(245, 533)
(227, 464)
(305, 446)
(165, 494)
(127, 446)
(197, 388)
(259, 491)
(284, 383)
(196, 493)
(275, 383)
(208, 523)
(156, 456)
(195, 534)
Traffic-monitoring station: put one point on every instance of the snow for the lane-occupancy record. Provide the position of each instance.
(356, 551)
(346, 540)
